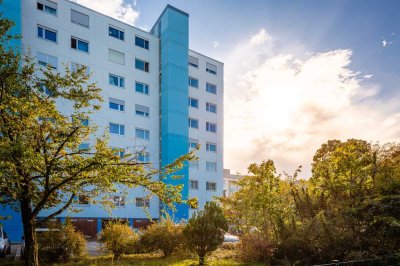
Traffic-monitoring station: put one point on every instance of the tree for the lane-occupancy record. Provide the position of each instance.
(205, 230)
(42, 165)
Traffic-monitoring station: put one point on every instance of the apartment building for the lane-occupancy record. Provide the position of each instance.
(160, 98)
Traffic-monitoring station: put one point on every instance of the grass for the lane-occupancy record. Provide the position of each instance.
(219, 257)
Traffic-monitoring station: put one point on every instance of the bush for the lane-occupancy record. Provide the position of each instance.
(119, 238)
(164, 235)
(255, 248)
(75, 241)
(61, 243)
(205, 230)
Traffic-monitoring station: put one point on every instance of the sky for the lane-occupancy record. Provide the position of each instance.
(296, 73)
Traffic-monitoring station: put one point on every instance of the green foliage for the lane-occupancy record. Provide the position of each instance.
(347, 210)
(75, 241)
(164, 235)
(119, 238)
(205, 230)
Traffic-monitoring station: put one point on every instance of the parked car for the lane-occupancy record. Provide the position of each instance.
(5, 244)
(230, 238)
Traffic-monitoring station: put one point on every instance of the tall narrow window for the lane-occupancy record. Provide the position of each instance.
(117, 129)
(116, 33)
(210, 68)
(193, 123)
(47, 34)
(116, 57)
(47, 6)
(142, 88)
(210, 107)
(79, 44)
(211, 88)
(116, 80)
(193, 82)
(193, 102)
(141, 42)
(116, 104)
(141, 110)
(79, 18)
(193, 61)
(45, 60)
(211, 127)
(142, 65)
(142, 134)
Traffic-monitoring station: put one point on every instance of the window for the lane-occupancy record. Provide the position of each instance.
(194, 102)
(119, 201)
(210, 68)
(193, 61)
(193, 143)
(141, 65)
(142, 88)
(193, 123)
(79, 44)
(45, 60)
(119, 152)
(142, 156)
(141, 42)
(47, 34)
(117, 129)
(142, 133)
(142, 202)
(79, 18)
(194, 184)
(83, 200)
(85, 122)
(76, 66)
(116, 104)
(211, 127)
(47, 6)
(211, 88)
(193, 82)
(211, 166)
(84, 146)
(210, 107)
(211, 186)
(194, 164)
(211, 147)
(116, 33)
(116, 80)
(116, 57)
(142, 110)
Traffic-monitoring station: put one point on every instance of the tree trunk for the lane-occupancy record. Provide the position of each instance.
(201, 260)
(31, 246)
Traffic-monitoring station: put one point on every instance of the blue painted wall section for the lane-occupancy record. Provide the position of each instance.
(11, 9)
(173, 30)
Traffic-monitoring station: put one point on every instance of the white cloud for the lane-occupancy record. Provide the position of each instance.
(215, 44)
(368, 76)
(283, 107)
(386, 43)
(261, 37)
(118, 9)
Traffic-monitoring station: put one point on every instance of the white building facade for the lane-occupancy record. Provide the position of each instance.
(159, 96)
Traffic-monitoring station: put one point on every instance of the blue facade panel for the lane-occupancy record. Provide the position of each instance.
(173, 30)
(12, 224)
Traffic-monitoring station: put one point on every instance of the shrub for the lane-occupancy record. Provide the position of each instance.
(119, 238)
(75, 241)
(255, 248)
(60, 243)
(205, 230)
(164, 235)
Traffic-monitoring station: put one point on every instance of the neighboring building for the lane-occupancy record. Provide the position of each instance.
(230, 182)
(158, 95)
